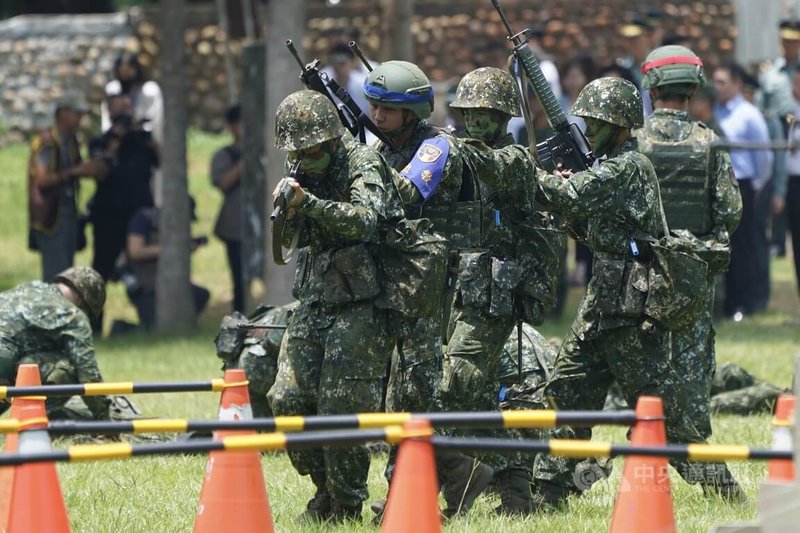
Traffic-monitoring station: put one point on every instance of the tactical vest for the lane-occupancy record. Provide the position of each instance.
(684, 170)
(461, 221)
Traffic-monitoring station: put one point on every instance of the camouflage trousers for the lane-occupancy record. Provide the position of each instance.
(469, 377)
(415, 369)
(333, 361)
(735, 391)
(694, 360)
(54, 369)
(585, 368)
(261, 368)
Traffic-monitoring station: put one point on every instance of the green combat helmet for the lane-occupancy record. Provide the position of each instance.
(400, 85)
(487, 88)
(304, 119)
(88, 285)
(612, 100)
(673, 65)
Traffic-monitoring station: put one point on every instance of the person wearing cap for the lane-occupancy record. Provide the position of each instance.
(49, 324)
(778, 101)
(637, 35)
(54, 168)
(701, 200)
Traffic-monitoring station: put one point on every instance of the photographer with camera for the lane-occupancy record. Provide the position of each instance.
(130, 157)
(143, 250)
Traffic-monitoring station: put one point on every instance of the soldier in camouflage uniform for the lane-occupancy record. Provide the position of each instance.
(700, 197)
(611, 337)
(434, 182)
(252, 344)
(734, 391)
(701, 201)
(335, 351)
(512, 278)
(49, 324)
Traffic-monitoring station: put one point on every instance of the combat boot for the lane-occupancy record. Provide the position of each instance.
(514, 487)
(462, 479)
(319, 508)
(341, 513)
(548, 497)
(722, 482)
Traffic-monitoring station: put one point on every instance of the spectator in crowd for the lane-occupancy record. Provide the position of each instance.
(227, 166)
(48, 324)
(793, 186)
(349, 72)
(148, 103)
(778, 101)
(637, 33)
(130, 157)
(142, 252)
(701, 107)
(54, 167)
(741, 121)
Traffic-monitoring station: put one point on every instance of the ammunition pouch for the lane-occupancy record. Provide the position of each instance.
(619, 286)
(541, 251)
(459, 222)
(412, 267)
(350, 276)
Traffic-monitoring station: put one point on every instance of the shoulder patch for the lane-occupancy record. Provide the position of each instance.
(426, 168)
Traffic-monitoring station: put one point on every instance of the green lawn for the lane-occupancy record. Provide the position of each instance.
(160, 494)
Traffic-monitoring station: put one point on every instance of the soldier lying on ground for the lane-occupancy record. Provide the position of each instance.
(734, 391)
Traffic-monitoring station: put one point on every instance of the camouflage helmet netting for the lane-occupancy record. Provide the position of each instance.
(487, 88)
(679, 65)
(88, 284)
(304, 119)
(613, 100)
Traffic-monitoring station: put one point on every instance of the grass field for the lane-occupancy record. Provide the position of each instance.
(160, 494)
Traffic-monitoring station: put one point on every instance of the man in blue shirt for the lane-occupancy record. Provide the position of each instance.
(741, 121)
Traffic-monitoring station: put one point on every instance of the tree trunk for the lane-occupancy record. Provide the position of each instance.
(396, 17)
(174, 306)
(286, 20)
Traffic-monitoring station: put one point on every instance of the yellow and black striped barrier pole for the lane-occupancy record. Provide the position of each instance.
(393, 435)
(590, 448)
(489, 419)
(104, 389)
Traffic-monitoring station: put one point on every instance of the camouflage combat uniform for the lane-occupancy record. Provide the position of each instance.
(241, 343)
(39, 325)
(502, 283)
(611, 337)
(335, 351)
(734, 391)
(737, 392)
(701, 198)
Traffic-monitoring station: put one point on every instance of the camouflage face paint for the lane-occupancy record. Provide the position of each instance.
(601, 135)
(482, 124)
(314, 160)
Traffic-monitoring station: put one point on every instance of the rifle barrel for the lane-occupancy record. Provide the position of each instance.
(293, 51)
(357, 51)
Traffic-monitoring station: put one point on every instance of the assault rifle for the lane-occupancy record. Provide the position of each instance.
(568, 147)
(351, 116)
(278, 218)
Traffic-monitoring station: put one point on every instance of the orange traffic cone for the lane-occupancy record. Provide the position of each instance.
(782, 470)
(27, 376)
(234, 496)
(644, 501)
(36, 485)
(413, 503)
